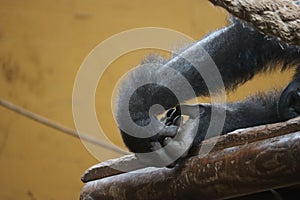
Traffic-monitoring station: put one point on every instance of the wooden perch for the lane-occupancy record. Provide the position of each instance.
(279, 18)
(242, 162)
(238, 137)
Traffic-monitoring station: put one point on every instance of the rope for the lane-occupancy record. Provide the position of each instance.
(59, 127)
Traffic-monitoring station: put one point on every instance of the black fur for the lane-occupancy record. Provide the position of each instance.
(239, 51)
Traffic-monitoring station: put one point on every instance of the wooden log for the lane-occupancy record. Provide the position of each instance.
(238, 137)
(233, 171)
(279, 18)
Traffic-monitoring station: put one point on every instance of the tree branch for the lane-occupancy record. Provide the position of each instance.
(279, 18)
(231, 169)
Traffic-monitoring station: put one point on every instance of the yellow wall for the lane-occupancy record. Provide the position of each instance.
(42, 45)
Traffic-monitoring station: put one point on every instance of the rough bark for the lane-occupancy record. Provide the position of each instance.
(258, 160)
(279, 18)
(238, 137)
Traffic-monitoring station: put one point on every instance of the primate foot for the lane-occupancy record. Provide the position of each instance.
(289, 102)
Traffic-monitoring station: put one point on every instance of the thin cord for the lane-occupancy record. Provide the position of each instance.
(59, 127)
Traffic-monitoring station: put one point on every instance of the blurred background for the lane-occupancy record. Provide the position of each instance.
(42, 45)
